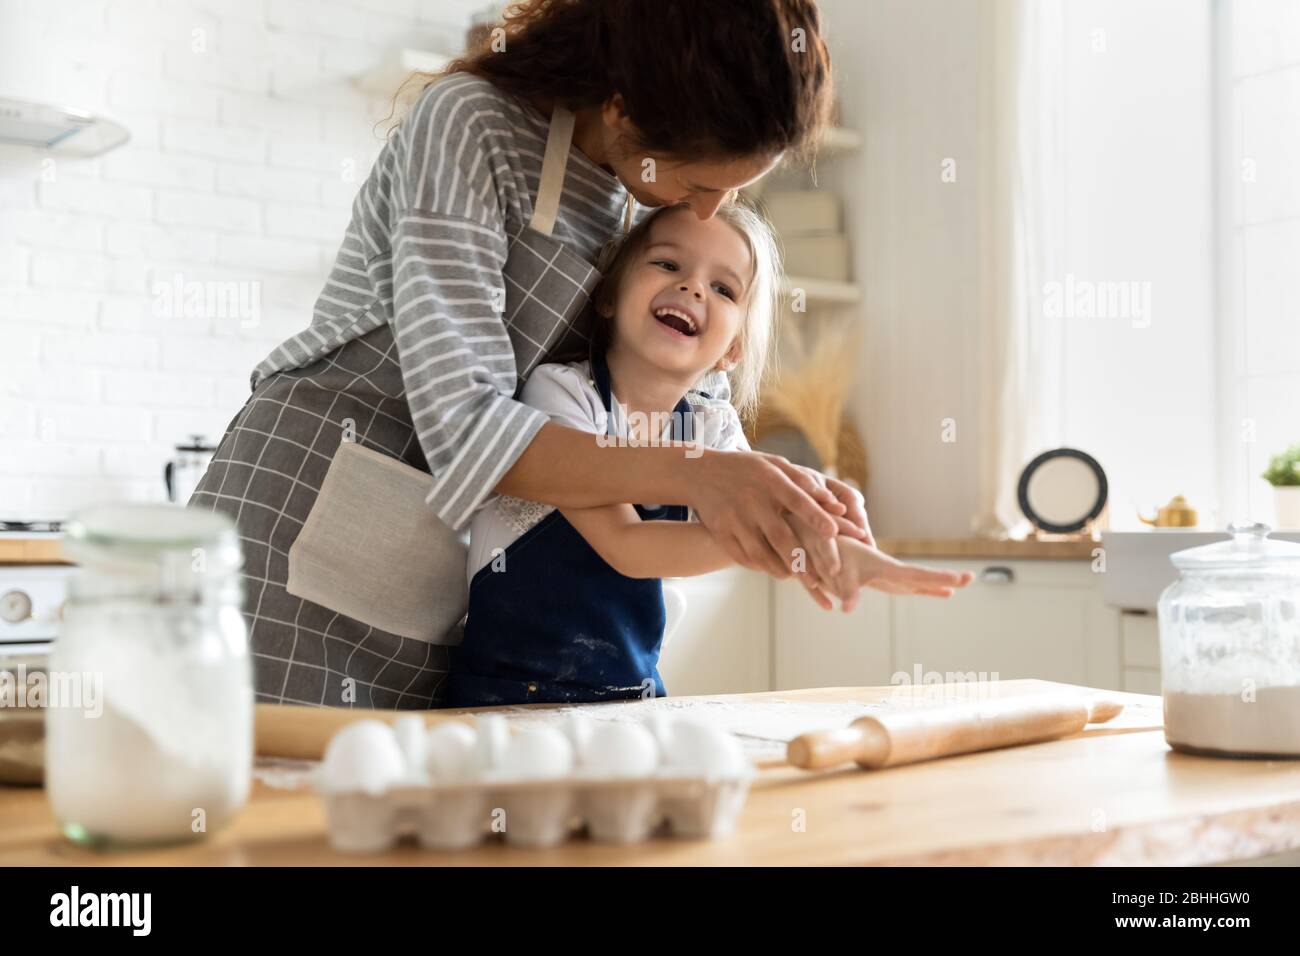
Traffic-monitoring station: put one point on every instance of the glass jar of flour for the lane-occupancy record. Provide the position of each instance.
(152, 739)
(1230, 647)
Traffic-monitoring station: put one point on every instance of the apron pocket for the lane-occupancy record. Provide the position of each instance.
(372, 550)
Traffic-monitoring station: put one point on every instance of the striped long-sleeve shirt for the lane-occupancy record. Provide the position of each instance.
(425, 251)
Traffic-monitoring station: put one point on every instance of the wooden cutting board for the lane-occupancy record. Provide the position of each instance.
(764, 722)
(283, 730)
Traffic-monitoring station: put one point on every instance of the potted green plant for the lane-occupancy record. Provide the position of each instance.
(1283, 474)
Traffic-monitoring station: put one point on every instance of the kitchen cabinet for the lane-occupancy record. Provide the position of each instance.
(1140, 643)
(816, 648)
(722, 644)
(1042, 619)
(1017, 619)
(743, 632)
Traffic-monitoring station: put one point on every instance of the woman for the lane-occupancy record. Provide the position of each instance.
(468, 258)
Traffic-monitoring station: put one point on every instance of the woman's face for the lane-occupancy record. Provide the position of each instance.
(681, 303)
(702, 186)
(655, 179)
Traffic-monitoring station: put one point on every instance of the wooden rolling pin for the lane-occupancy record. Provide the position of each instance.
(283, 730)
(924, 733)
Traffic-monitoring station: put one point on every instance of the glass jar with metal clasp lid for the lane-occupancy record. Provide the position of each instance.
(151, 739)
(1230, 647)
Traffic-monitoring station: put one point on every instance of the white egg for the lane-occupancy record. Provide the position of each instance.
(363, 757)
(493, 735)
(449, 751)
(660, 725)
(537, 753)
(411, 736)
(578, 729)
(703, 749)
(618, 749)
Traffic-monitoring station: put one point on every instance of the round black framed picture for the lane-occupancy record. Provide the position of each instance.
(1062, 490)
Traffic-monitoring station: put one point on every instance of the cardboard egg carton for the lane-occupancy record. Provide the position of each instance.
(531, 811)
(536, 813)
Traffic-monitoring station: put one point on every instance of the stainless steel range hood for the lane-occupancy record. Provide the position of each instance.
(60, 130)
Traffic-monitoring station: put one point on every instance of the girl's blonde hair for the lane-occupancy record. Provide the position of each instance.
(762, 303)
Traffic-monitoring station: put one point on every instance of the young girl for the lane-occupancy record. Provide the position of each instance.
(567, 605)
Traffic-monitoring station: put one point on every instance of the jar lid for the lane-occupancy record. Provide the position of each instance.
(143, 532)
(1248, 547)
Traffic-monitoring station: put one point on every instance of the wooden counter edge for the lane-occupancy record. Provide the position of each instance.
(977, 548)
(30, 551)
(1195, 840)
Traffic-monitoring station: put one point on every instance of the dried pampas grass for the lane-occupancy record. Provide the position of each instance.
(810, 393)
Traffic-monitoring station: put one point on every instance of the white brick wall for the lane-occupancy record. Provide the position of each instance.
(248, 143)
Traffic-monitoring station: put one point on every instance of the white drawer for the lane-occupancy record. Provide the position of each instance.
(1140, 639)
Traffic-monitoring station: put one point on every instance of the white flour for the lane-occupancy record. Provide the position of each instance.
(285, 773)
(763, 727)
(1231, 676)
(171, 754)
(110, 778)
(1268, 724)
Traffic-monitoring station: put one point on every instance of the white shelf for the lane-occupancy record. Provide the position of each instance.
(385, 78)
(821, 291)
(57, 129)
(835, 141)
(838, 140)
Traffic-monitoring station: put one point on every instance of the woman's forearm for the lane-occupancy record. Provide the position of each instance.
(570, 469)
(742, 497)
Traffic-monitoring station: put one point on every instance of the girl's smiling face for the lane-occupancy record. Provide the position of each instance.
(681, 304)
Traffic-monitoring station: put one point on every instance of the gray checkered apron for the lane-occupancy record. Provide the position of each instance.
(268, 470)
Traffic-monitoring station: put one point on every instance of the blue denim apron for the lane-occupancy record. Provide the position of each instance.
(558, 624)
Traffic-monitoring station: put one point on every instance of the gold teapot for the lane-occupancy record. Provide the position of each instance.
(1177, 514)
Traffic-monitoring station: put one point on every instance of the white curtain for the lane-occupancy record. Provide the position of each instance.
(1023, 350)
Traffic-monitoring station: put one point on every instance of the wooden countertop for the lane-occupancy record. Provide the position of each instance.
(1114, 794)
(46, 551)
(30, 551)
(1060, 550)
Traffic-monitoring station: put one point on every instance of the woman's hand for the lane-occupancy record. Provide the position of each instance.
(854, 520)
(820, 578)
(825, 575)
(742, 498)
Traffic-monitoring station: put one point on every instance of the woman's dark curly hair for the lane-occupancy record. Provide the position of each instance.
(700, 79)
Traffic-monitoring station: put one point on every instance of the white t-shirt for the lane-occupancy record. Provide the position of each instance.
(568, 394)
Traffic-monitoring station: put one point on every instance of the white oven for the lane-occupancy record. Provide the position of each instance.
(31, 599)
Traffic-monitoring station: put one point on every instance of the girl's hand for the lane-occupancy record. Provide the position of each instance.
(875, 569)
(741, 497)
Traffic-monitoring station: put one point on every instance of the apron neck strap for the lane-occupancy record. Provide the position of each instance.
(683, 423)
(558, 139)
(629, 215)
